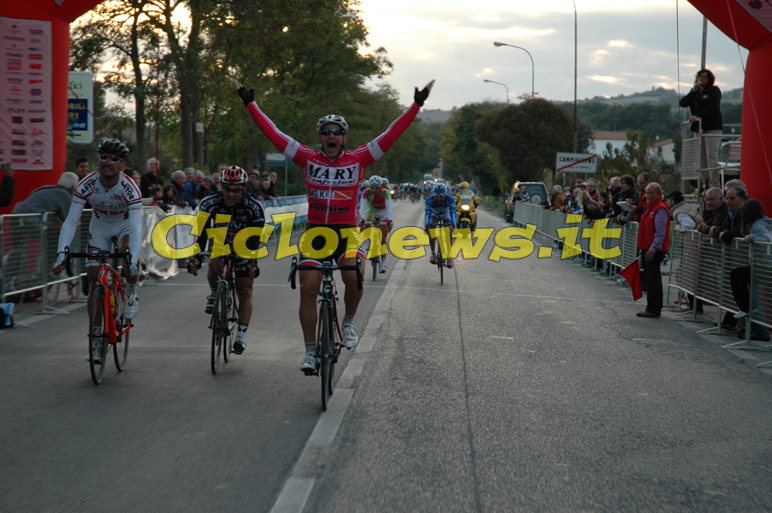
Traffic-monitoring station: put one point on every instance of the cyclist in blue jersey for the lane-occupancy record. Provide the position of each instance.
(440, 206)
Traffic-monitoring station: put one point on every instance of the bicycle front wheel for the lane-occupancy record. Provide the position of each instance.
(219, 325)
(97, 343)
(326, 354)
(376, 263)
(121, 346)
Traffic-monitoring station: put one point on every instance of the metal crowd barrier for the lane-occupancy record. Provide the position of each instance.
(698, 265)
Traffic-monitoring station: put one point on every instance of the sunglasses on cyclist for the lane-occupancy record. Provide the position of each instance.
(112, 158)
(232, 190)
(333, 131)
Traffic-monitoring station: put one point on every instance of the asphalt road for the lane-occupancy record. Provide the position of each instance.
(524, 385)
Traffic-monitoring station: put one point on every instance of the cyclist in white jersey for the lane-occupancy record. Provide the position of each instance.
(116, 204)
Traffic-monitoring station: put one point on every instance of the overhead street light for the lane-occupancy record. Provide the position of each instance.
(499, 83)
(533, 69)
(575, 74)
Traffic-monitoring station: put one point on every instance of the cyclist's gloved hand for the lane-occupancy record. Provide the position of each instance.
(421, 96)
(133, 269)
(246, 96)
(60, 258)
(254, 271)
(390, 224)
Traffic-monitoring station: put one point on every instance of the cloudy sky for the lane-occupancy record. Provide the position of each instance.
(625, 46)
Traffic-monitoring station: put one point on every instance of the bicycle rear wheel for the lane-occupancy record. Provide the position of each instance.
(97, 343)
(121, 346)
(325, 356)
(219, 325)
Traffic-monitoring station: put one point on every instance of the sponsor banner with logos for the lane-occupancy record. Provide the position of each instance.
(26, 122)
(80, 126)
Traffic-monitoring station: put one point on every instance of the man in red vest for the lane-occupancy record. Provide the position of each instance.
(654, 239)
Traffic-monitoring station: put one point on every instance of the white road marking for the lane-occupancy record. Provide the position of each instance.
(293, 496)
(329, 422)
(506, 338)
(354, 367)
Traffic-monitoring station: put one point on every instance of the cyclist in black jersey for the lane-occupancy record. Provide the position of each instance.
(244, 212)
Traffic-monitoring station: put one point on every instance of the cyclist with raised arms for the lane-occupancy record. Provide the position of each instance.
(243, 211)
(332, 177)
(440, 205)
(375, 208)
(116, 204)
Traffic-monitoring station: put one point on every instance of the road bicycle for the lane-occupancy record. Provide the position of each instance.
(376, 260)
(106, 311)
(328, 333)
(442, 262)
(225, 314)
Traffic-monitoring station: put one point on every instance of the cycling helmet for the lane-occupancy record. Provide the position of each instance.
(376, 181)
(113, 147)
(440, 189)
(463, 185)
(234, 175)
(366, 183)
(334, 119)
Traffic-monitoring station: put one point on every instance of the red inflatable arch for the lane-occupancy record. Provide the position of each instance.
(59, 13)
(749, 23)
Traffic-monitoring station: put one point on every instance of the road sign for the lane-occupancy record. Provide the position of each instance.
(576, 163)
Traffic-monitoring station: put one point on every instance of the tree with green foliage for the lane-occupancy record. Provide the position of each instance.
(527, 137)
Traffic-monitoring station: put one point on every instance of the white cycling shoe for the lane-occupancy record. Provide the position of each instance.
(309, 364)
(350, 339)
(132, 307)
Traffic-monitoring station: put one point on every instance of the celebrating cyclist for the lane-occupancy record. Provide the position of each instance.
(116, 204)
(242, 211)
(375, 209)
(332, 178)
(440, 205)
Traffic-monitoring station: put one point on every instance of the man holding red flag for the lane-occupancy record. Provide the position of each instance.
(654, 238)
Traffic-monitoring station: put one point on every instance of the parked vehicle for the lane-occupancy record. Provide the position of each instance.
(537, 194)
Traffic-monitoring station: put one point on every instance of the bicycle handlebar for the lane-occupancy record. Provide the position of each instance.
(100, 255)
(326, 267)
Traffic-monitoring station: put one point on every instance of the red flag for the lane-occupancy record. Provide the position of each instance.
(632, 273)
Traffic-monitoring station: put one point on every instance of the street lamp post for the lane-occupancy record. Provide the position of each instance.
(499, 83)
(575, 75)
(533, 69)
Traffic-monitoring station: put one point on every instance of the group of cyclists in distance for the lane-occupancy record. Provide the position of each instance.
(339, 197)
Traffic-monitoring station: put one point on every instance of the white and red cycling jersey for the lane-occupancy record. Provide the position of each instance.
(111, 204)
(333, 185)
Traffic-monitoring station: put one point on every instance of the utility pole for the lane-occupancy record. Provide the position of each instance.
(704, 41)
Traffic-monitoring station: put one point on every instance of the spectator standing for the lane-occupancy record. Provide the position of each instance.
(170, 198)
(524, 196)
(558, 200)
(189, 174)
(716, 212)
(150, 183)
(756, 228)
(704, 102)
(684, 215)
(496, 193)
(272, 189)
(216, 183)
(178, 181)
(643, 180)
(592, 189)
(81, 167)
(8, 185)
(654, 240)
(190, 190)
(264, 190)
(253, 183)
(735, 198)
